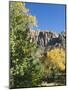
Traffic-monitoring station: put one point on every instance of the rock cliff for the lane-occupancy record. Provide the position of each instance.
(45, 38)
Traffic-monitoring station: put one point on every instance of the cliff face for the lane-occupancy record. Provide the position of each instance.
(46, 38)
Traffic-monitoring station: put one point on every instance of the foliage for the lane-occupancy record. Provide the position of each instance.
(25, 68)
(54, 64)
(57, 57)
(50, 68)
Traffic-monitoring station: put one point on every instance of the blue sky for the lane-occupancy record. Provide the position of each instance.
(49, 16)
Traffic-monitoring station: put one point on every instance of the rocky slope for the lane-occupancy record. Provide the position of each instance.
(46, 38)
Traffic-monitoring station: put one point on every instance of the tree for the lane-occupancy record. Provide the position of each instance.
(57, 57)
(25, 68)
(54, 63)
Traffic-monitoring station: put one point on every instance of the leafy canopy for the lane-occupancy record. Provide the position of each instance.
(25, 68)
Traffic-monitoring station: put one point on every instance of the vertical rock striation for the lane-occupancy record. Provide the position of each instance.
(46, 38)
